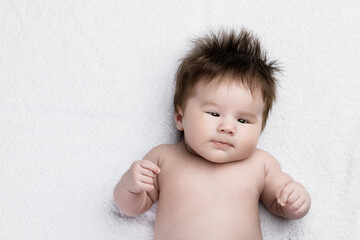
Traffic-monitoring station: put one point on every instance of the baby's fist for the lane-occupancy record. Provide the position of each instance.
(141, 176)
(293, 200)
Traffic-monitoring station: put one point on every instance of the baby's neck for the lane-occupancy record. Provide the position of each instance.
(190, 150)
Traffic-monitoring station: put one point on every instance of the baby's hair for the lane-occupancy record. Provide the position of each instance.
(237, 56)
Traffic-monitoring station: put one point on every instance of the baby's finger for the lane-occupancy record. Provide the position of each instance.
(150, 165)
(147, 180)
(147, 172)
(278, 191)
(303, 208)
(295, 206)
(146, 187)
(141, 185)
(285, 193)
(293, 197)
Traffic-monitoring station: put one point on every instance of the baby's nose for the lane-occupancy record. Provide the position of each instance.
(227, 127)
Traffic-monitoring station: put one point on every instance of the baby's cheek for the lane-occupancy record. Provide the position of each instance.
(248, 146)
(191, 141)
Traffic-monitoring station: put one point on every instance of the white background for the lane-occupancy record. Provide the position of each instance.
(86, 88)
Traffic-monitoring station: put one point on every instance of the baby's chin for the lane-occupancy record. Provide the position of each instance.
(216, 157)
(222, 160)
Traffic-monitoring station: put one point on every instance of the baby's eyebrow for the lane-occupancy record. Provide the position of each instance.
(210, 103)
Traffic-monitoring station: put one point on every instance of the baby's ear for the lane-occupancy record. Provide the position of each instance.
(178, 119)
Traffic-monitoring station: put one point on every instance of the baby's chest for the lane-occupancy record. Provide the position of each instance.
(219, 181)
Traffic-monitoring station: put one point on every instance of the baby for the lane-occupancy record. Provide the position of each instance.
(208, 185)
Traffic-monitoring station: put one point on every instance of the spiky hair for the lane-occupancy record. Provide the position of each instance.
(227, 53)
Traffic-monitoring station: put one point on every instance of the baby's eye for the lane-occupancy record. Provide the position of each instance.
(214, 114)
(243, 121)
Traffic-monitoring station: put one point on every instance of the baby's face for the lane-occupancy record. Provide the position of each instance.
(221, 123)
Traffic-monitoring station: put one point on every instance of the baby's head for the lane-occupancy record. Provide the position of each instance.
(236, 59)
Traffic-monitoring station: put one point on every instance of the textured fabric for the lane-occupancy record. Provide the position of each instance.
(86, 88)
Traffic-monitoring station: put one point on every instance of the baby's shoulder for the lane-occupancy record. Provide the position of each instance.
(161, 152)
(263, 156)
(266, 159)
(165, 148)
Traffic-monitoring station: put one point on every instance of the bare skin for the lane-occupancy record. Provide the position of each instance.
(204, 200)
(221, 199)
(209, 186)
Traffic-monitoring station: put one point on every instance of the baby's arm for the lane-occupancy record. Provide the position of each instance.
(282, 195)
(137, 189)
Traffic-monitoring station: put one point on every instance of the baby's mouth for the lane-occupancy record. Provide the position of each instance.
(222, 144)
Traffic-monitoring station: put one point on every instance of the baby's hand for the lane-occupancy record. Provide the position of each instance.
(293, 200)
(141, 176)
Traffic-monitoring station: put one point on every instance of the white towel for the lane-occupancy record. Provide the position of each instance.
(86, 88)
